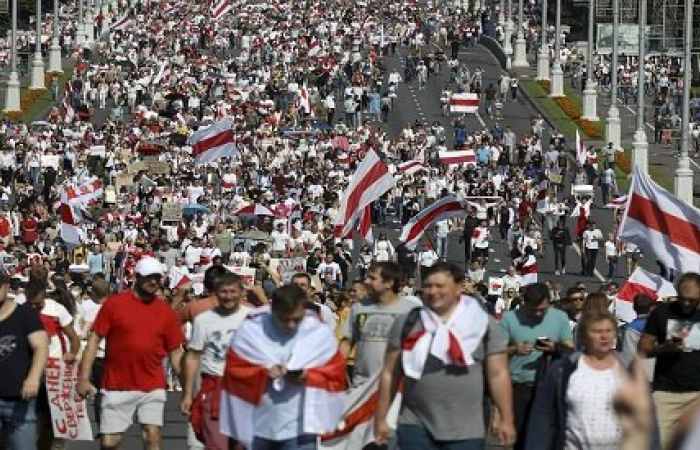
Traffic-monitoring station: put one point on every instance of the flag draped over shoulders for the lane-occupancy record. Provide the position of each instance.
(246, 381)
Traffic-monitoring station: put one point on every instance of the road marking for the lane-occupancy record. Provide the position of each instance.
(634, 112)
(596, 272)
(481, 121)
(694, 163)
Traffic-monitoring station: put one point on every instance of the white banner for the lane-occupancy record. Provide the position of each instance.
(287, 267)
(68, 411)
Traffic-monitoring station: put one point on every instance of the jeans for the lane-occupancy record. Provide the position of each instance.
(441, 244)
(523, 397)
(591, 257)
(415, 437)
(303, 442)
(612, 266)
(18, 424)
(559, 257)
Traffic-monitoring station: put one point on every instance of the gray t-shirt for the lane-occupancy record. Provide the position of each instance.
(447, 400)
(368, 327)
(211, 334)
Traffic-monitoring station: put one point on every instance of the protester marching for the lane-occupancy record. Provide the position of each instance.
(332, 225)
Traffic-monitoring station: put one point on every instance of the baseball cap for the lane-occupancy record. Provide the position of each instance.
(148, 266)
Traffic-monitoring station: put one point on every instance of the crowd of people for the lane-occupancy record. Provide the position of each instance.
(169, 275)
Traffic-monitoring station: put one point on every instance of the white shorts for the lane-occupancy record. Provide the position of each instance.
(118, 408)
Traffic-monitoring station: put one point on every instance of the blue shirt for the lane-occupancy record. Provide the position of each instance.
(280, 414)
(517, 328)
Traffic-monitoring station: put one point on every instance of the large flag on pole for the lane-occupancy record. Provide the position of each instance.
(220, 8)
(446, 208)
(662, 224)
(371, 180)
(214, 142)
(641, 282)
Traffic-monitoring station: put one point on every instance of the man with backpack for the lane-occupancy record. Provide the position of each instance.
(443, 350)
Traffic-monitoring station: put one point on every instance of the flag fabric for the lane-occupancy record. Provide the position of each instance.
(89, 191)
(356, 427)
(467, 102)
(662, 224)
(528, 270)
(314, 47)
(245, 379)
(580, 149)
(214, 142)
(123, 22)
(457, 157)
(220, 8)
(304, 101)
(371, 180)
(618, 202)
(364, 226)
(163, 72)
(641, 282)
(445, 208)
(411, 167)
(71, 217)
(68, 111)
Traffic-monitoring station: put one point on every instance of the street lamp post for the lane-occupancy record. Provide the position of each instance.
(640, 155)
(612, 126)
(80, 32)
(520, 50)
(543, 55)
(684, 174)
(55, 64)
(37, 73)
(507, 41)
(590, 93)
(557, 86)
(12, 90)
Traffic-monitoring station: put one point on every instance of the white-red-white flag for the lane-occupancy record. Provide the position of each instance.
(71, 217)
(304, 101)
(457, 157)
(371, 180)
(123, 22)
(245, 379)
(220, 8)
(617, 202)
(662, 224)
(542, 195)
(214, 142)
(446, 208)
(411, 167)
(641, 282)
(467, 102)
(364, 226)
(314, 47)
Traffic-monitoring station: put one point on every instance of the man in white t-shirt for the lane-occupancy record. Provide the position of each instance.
(511, 280)
(193, 253)
(329, 272)
(212, 332)
(280, 241)
(592, 237)
(612, 255)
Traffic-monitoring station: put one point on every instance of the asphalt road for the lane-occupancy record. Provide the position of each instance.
(424, 105)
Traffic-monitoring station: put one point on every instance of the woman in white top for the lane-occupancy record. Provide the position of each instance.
(383, 250)
(574, 407)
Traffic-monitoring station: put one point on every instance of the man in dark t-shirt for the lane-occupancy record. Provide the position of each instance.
(24, 348)
(672, 335)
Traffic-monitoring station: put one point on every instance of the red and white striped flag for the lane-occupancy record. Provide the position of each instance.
(245, 380)
(618, 202)
(580, 149)
(446, 208)
(304, 101)
(220, 8)
(662, 224)
(123, 22)
(364, 227)
(542, 194)
(68, 111)
(371, 180)
(528, 270)
(214, 142)
(458, 157)
(411, 167)
(641, 282)
(467, 102)
(71, 217)
(314, 47)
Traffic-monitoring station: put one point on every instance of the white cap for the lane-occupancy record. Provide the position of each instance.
(148, 266)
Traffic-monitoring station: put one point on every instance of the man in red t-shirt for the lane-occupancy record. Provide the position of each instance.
(140, 330)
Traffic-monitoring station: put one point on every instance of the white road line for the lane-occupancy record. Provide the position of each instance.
(481, 121)
(694, 163)
(634, 112)
(595, 271)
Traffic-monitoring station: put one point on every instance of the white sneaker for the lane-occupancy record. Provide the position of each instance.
(556, 272)
(563, 270)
